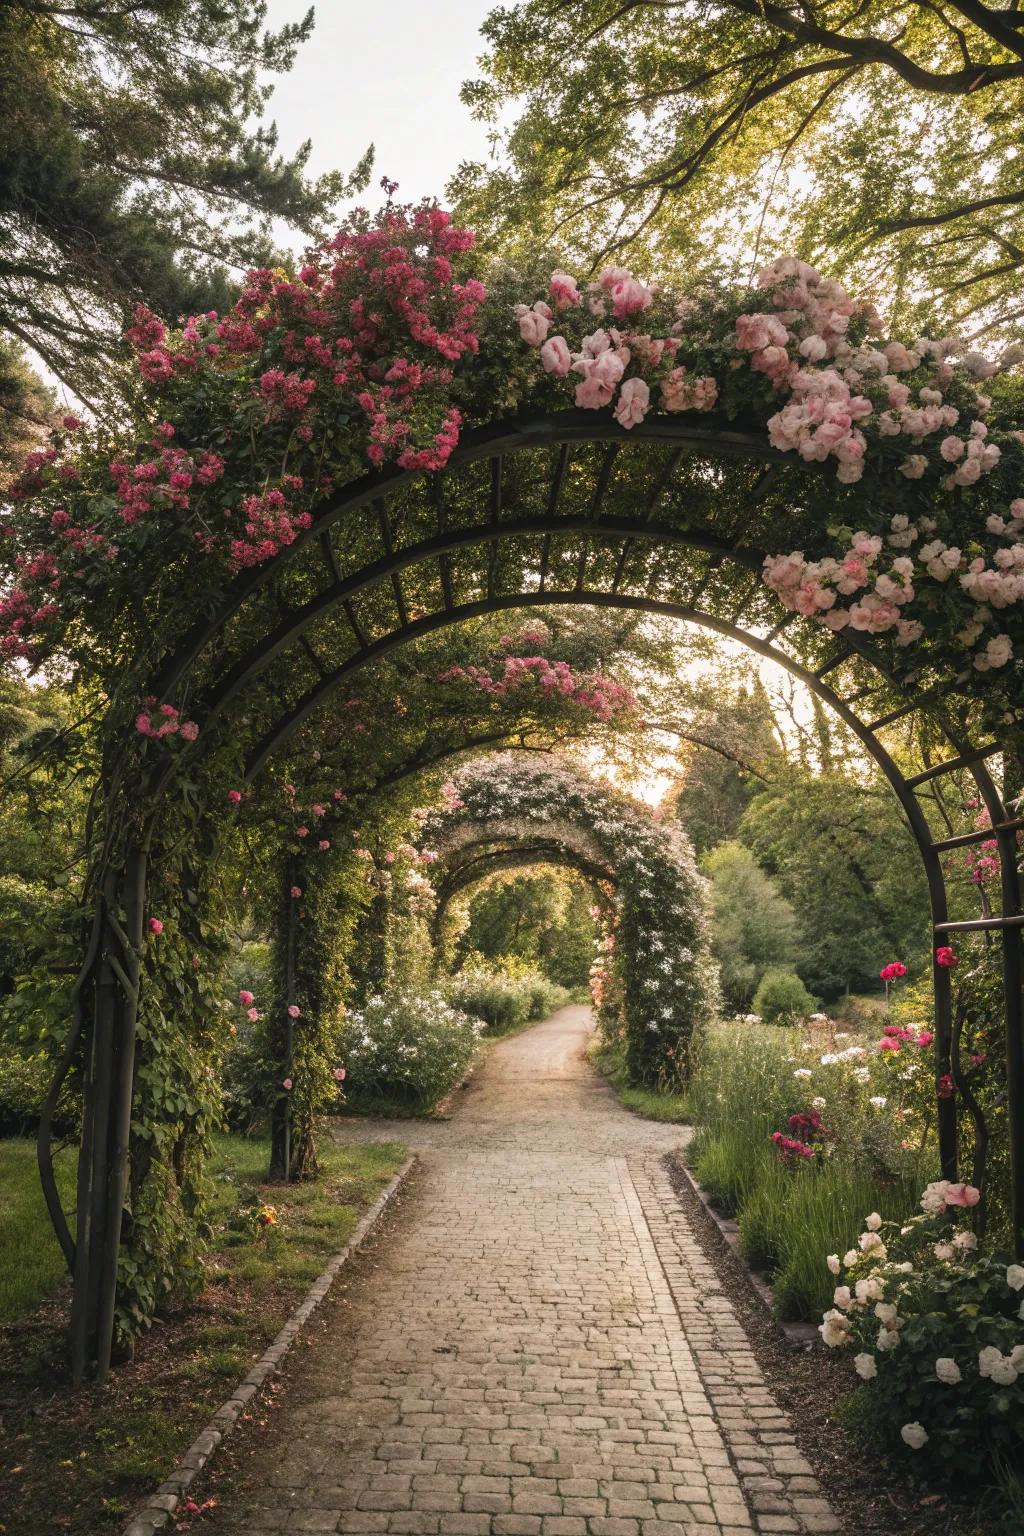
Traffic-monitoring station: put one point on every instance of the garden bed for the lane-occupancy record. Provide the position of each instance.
(79, 1463)
(868, 1490)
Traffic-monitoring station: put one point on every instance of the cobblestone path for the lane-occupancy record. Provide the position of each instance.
(536, 1345)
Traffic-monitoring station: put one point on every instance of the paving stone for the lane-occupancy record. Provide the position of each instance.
(534, 1344)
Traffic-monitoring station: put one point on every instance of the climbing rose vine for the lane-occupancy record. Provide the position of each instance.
(387, 344)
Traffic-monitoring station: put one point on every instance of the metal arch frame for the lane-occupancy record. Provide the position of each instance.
(114, 958)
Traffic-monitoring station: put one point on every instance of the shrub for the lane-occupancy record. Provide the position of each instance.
(938, 1332)
(752, 924)
(505, 997)
(409, 1048)
(782, 997)
(244, 1070)
(23, 1084)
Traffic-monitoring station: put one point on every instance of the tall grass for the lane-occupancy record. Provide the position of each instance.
(791, 1218)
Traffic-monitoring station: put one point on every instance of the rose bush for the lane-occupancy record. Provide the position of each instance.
(937, 1332)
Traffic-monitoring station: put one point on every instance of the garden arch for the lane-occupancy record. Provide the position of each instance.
(512, 806)
(677, 503)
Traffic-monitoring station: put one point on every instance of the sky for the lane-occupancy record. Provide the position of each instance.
(389, 74)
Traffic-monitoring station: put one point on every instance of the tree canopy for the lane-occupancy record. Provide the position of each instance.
(134, 167)
(881, 138)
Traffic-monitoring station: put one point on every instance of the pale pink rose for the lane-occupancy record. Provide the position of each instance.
(563, 291)
(755, 332)
(633, 404)
(814, 348)
(533, 327)
(962, 1194)
(630, 297)
(556, 357)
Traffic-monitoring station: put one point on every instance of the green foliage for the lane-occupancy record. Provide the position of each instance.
(884, 137)
(134, 168)
(752, 925)
(842, 855)
(409, 1049)
(505, 996)
(543, 917)
(782, 998)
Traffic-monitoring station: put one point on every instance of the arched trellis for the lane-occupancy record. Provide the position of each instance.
(478, 860)
(669, 519)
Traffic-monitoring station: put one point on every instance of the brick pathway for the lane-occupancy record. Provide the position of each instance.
(537, 1346)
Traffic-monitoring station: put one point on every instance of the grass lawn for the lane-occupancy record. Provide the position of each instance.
(609, 1059)
(31, 1263)
(80, 1463)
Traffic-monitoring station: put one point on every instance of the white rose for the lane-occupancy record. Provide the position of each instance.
(842, 1297)
(869, 1290)
(833, 1263)
(1015, 1277)
(873, 1222)
(915, 1435)
(865, 1367)
(850, 1257)
(835, 1329)
(1017, 1357)
(888, 1338)
(947, 1371)
(886, 1314)
(943, 1251)
(965, 1241)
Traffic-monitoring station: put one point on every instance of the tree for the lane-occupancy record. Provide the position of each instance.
(543, 917)
(131, 169)
(841, 853)
(886, 136)
(752, 925)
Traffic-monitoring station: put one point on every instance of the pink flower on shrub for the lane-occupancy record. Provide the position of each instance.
(323, 844)
(155, 925)
(339, 1074)
(234, 797)
(945, 957)
(633, 404)
(252, 1014)
(296, 892)
(246, 998)
(556, 357)
(301, 831)
(293, 1011)
(893, 971)
(964, 1195)
(287, 1084)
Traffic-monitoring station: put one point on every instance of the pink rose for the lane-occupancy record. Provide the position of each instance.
(287, 1085)
(234, 797)
(293, 1011)
(338, 1074)
(324, 845)
(296, 892)
(952, 448)
(190, 730)
(253, 1014)
(556, 357)
(962, 1195)
(562, 291)
(634, 403)
(533, 327)
(155, 925)
(301, 831)
(246, 998)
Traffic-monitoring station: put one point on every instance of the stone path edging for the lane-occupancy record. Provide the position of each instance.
(157, 1511)
(799, 1335)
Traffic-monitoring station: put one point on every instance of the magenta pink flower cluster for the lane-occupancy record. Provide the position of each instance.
(161, 720)
(602, 696)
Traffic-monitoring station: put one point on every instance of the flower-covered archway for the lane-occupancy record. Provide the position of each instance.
(396, 438)
(534, 806)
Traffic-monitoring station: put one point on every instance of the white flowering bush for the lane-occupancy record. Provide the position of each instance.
(505, 998)
(937, 1333)
(408, 1048)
